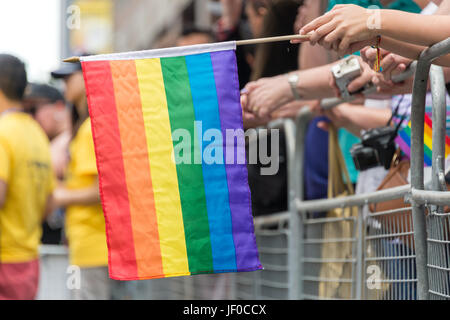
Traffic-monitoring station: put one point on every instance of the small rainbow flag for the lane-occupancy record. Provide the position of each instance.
(165, 218)
(404, 141)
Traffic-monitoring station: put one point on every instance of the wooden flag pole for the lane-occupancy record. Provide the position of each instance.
(238, 43)
(272, 39)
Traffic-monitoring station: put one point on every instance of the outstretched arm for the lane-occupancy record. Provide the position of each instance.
(350, 27)
(87, 196)
(269, 94)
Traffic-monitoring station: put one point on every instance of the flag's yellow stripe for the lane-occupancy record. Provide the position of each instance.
(163, 168)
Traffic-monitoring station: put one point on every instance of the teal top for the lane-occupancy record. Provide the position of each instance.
(404, 5)
(346, 139)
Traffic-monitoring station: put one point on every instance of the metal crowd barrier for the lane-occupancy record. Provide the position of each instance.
(399, 254)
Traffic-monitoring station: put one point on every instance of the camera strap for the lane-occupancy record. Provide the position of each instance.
(402, 119)
(395, 113)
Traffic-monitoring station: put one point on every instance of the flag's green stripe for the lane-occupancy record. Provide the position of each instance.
(190, 175)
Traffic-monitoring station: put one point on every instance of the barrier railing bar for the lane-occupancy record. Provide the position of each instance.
(271, 220)
(390, 258)
(446, 296)
(331, 220)
(390, 235)
(355, 200)
(439, 198)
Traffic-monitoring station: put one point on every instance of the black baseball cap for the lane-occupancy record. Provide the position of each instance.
(42, 92)
(66, 69)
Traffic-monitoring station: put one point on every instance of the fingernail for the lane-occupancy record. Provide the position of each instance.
(244, 91)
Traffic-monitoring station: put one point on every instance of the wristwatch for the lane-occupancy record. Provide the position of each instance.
(293, 81)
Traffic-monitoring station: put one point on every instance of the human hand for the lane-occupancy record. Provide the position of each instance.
(302, 15)
(266, 95)
(391, 64)
(342, 27)
(367, 76)
(289, 110)
(60, 195)
(394, 88)
(337, 115)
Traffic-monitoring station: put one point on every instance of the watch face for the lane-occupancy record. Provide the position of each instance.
(293, 78)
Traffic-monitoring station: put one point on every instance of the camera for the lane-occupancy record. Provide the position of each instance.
(344, 73)
(377, 148)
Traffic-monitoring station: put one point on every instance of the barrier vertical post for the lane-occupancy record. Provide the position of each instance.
(296, 227)
(438, 92)
(294, 231)
(417, 174)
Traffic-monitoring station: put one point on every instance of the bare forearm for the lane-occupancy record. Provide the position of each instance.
(411, 51)
(315, 83)
(414, 28)
(86, 196)
(362, 118)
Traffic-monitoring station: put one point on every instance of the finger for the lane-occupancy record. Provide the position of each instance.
(332, 38)
(249, 87)
(345, 43)
(370, 54)
(316, 23)
(361, 81)
(244, 102)
(322, 32)
(333, 85)
(364, 53)
(388, 65)
(296, 41)
(399, 69)
(387, 62)
(323, 125)
(356, 46)
(335, 45)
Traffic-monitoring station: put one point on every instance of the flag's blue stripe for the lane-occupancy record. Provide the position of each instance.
(206, 109)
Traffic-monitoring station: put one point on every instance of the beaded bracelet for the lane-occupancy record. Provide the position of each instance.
(377, 64)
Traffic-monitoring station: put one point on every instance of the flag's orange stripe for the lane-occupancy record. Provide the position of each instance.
(428, 131)
(137, 168)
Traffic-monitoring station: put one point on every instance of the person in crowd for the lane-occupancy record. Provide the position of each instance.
(26, 185)
(85, 223)
(269, 19)
(233, 25)
(193, 35)
(47, 106)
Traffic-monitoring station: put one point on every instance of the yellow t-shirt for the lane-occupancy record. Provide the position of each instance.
(85, 225)
(25, 166)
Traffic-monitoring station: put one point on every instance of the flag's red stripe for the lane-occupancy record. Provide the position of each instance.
(137, 168)
(428, 121)
(113, 189)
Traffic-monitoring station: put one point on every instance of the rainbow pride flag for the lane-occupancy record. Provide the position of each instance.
(404, 141)
(167, 218)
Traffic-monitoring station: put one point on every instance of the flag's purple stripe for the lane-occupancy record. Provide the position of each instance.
(403, 146)
(227, 85)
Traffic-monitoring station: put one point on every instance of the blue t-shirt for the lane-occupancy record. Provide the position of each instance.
(316, 161)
